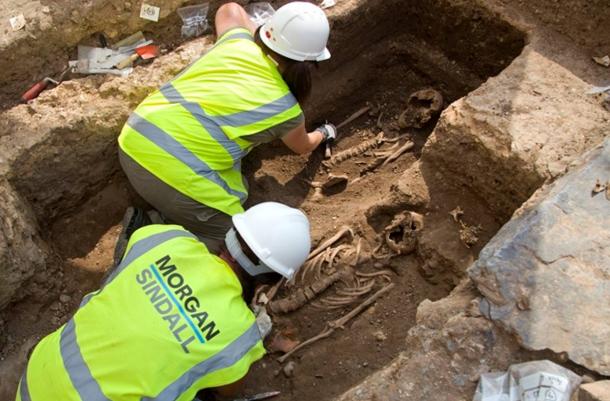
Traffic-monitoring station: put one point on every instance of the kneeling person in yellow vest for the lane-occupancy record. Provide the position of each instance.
(171, 319)
(182, 147)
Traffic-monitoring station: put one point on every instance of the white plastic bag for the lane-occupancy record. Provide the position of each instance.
(194, 20)
(494, 386)
(530, 381)
(259, 12)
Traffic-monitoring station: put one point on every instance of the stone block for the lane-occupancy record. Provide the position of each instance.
(517, 130)
(597, 391)
(546, 273)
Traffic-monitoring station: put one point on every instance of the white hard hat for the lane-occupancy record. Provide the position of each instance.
(299, 31)
(277, 234)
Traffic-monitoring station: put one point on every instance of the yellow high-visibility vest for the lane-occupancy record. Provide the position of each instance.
(168, 322)
(190, 133)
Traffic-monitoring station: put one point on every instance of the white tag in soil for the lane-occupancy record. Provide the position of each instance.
(149, 12)
(17, 22)
(328, 4)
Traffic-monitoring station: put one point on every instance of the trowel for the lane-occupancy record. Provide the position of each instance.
(37, 88)
(145, 52)
(261, 396)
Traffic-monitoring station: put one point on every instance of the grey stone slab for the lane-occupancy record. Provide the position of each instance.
(546, 274)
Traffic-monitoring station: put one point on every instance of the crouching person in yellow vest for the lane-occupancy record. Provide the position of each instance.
(170, 320)
(182, 147)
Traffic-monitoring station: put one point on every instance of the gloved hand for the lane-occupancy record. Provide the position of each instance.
(263, 321)
(329, 131)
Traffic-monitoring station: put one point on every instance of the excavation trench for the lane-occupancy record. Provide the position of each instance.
(382, 52)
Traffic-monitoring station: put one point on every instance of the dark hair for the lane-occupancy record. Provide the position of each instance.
(249, 283)
(296, 74)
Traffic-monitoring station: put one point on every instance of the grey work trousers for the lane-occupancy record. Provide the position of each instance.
(209, 224)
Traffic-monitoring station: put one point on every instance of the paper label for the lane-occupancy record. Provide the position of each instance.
(328, 4)
(17, 22)
(149, 12)
(543, 386)
(555, 381)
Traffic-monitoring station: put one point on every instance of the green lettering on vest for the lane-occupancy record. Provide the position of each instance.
(210, 327)
(183, 292)
(154, 292)
(186, 342)
(175, 280)
(163, 267)
(172, 320)
(210, 331)
(201, 317)
(164, 306)
(191, 304)
(144, 276)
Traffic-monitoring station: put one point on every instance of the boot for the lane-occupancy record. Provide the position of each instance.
(133, 219)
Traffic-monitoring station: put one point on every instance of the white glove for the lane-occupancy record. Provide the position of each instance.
(329, 131)
(263, 321)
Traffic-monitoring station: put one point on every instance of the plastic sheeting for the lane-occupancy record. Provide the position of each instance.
(530, 381)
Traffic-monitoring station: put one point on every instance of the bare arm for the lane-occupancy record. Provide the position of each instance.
(232, 15)
(301, 142)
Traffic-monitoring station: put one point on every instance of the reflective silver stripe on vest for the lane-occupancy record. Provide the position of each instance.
(260, 113)
(138, 249)
(238, 119)
(211, 126)
(176, 149)
(229, 356)
(238, 35)
(212, 123)
(80, 375)
(24, 391)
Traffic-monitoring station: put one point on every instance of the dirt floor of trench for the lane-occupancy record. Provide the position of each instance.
(383, 77)
(85, 241)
